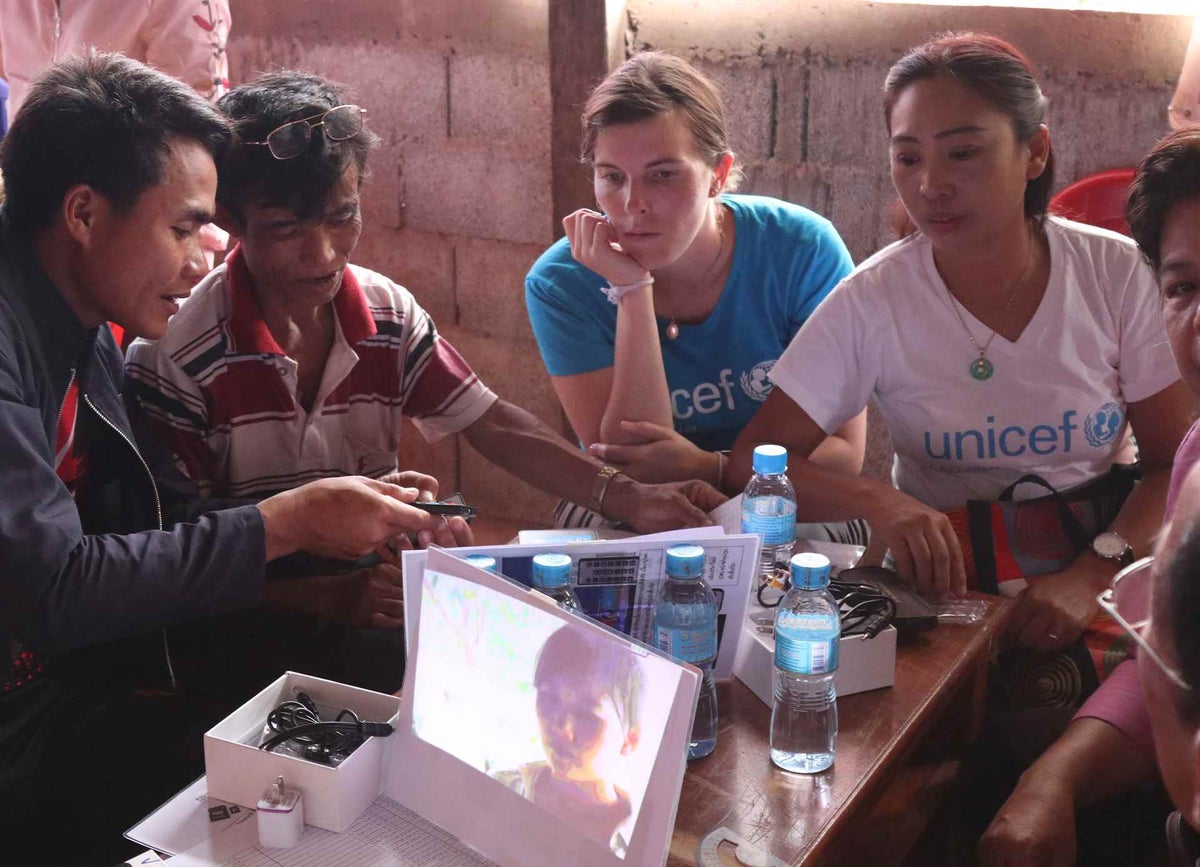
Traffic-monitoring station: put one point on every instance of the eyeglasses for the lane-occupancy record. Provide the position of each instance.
(293, 138)
(1127, 601)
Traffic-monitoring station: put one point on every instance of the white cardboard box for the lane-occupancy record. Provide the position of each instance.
(240, 772)
(863, 663)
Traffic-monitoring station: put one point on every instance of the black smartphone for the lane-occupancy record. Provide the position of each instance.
(448, 507)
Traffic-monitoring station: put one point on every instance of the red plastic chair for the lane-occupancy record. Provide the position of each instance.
(1098, 200)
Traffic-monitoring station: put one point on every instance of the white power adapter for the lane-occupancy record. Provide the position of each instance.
(280, 816)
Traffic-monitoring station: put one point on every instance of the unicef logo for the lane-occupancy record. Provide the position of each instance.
(756, 381)
(1103, 425)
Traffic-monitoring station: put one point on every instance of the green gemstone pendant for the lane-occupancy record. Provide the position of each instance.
(982, 369)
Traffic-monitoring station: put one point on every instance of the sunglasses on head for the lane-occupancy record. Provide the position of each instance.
(293, 138)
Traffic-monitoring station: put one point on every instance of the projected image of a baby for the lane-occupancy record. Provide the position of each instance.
(587, 709)
(570, 717)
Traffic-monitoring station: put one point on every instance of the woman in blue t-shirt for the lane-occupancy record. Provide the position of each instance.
(659, 319)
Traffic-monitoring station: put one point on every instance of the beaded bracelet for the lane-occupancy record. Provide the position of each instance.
(616, 293)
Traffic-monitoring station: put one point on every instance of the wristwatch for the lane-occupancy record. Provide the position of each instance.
(1113, 546)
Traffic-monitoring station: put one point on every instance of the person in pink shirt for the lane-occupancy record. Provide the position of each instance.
(1184, 108)
(183, 38)
(1108, 749)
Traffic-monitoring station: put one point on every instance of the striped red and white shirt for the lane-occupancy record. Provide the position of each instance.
(222, 393)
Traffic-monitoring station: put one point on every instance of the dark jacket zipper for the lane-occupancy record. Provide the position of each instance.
(157, 511)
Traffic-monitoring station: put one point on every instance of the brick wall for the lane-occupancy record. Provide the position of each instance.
(804, 88)
(459, 205)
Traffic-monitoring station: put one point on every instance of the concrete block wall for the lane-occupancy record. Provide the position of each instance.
(458, 204)
(803, 88)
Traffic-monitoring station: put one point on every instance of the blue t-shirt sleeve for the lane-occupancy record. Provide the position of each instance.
(574, 324)
(828, 265)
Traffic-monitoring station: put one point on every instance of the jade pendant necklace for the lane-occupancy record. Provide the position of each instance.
(982, 368)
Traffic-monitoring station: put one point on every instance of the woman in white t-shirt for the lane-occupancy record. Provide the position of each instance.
(996, 341)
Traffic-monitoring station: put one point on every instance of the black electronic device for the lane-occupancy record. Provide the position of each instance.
(453, 505)
(462, 510)
(913, 612)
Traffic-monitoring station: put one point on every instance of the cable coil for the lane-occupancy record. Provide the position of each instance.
(326, 741)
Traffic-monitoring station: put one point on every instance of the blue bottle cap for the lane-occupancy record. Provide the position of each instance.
(551, 570)
(770, 459)
(685, 561)
(810, 571)
(482, 561)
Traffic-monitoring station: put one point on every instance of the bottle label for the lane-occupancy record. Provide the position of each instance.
(772, 518)
(806, 644)
(687, 645)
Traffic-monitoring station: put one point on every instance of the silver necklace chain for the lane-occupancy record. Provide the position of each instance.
(672, 329)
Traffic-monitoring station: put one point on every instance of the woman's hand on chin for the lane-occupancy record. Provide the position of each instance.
(594, 245)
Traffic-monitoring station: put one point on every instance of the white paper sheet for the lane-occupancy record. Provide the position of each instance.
(385, 835)
(193, 821)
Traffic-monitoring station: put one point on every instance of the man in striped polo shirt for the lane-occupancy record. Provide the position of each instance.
(289, 363)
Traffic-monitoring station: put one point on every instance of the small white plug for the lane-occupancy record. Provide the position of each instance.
(280, 816)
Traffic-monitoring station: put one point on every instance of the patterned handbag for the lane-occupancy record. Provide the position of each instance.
(1008, 543)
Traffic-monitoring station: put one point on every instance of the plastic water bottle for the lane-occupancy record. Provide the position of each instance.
(769, 508)
(685, 626)
(807, 628)
(552, 575)
(482, 561)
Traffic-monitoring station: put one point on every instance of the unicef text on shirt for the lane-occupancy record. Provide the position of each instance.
(995, 440)
(709, 397)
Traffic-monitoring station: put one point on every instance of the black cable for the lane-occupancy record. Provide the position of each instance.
(864, 610)
(323, 741)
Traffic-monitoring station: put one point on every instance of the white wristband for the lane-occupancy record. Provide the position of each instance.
(616, 293)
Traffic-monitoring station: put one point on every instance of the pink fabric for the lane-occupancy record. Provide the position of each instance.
(183, 38)
(1119, 701)
(1185, 458)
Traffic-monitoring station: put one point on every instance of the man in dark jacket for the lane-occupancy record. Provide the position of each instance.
(109, 172)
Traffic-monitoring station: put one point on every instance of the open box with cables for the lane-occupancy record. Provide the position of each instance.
(338, 761)
(866, 649)
(863, 663)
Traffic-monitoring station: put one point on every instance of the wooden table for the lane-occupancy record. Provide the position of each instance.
(873, 803)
